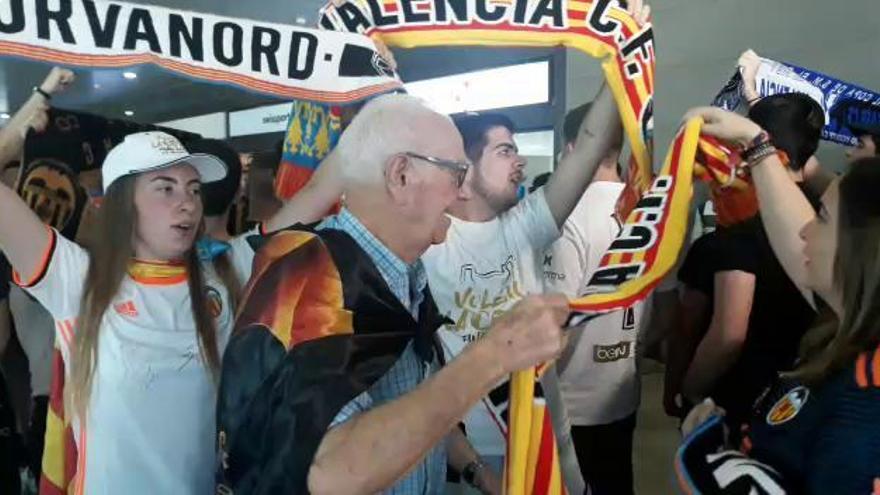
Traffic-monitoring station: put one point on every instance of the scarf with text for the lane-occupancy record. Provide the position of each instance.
(848, 107)
(288, 61)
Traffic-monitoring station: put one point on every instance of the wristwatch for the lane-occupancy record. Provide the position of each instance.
(469, 473)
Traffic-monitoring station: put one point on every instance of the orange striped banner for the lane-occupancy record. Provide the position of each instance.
(652, 236)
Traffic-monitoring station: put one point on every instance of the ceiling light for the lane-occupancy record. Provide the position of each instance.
(4, 115)
(129, 75)
(300, 20)
(97, 86)
(129, 113)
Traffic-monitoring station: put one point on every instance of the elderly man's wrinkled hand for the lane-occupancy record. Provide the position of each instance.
(530, 333)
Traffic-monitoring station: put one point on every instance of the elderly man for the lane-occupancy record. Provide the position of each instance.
(331, 383)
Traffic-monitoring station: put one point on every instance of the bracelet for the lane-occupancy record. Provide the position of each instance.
(756, 143)
(40, 90)
(754, 155)
(762, 138)
(760, 154)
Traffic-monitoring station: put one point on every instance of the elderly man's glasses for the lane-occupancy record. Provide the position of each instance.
(459, 169)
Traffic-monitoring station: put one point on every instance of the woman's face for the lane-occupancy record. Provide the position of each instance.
(169, 212)
(866, 148)
(820, 236)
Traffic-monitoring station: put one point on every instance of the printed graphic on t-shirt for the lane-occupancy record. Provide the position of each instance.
(484, 294)
(614, 352)
(549, 274)
(127, 308)
(629, 318)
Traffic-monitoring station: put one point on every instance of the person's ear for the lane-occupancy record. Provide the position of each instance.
(398, 177)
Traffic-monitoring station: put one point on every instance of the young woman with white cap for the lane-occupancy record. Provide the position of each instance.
(141, 325)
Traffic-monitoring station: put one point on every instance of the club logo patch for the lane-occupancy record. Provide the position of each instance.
(788, 406)
(214, 302)
(50, 190)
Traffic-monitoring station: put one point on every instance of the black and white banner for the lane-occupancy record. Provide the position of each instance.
(292, 62)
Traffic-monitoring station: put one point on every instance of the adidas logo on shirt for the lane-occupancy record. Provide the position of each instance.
(126, 308)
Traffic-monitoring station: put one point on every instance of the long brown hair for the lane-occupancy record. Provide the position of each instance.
(834, 343)
(226, 273)
(108, 265)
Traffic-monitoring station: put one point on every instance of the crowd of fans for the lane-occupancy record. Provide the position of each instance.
(369, 350)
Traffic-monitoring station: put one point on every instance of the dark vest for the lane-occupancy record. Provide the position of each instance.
(317, 327)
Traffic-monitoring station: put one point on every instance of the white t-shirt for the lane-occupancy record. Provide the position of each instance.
(598, 371)
(478, 274)
(242, 254)
(150, 426)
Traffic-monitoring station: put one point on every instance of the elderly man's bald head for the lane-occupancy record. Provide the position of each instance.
(389, 125)
(402, 165)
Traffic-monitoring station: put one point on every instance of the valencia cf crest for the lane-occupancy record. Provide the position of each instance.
(788, 406)
(214, 302)
(50, 189)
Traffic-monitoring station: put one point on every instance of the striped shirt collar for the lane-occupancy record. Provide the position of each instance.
(407, 282)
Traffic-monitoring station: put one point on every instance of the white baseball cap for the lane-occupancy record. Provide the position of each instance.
(154, 150)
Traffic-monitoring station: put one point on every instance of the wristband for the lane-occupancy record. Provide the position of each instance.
(759, 154)
(758, 148)
(40, 90)
(469, 473)
(761, 138)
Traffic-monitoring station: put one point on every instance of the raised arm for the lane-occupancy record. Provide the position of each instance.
(599, 131)
(314, 200)
(23, 236)
(784, 209)
(748, 63)
(359, 456)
